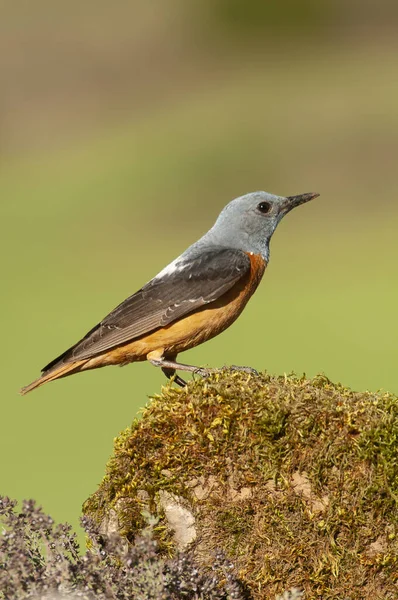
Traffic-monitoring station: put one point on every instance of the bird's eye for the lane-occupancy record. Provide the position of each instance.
(264, 207)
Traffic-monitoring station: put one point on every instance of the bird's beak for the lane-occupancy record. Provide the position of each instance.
(293, 201)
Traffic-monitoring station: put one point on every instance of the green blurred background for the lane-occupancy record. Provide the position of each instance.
(124, 129)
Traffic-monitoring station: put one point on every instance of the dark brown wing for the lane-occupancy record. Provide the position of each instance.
(193, 283)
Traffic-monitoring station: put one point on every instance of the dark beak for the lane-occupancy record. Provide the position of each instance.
(293, 201)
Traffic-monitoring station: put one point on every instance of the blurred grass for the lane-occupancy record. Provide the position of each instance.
(86, 226)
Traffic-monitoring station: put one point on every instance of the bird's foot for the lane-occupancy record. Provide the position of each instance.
(243, 369)
(203, 372)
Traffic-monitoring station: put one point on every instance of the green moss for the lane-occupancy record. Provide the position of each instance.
(300, 480)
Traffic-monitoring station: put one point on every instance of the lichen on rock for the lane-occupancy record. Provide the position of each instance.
(295, 480)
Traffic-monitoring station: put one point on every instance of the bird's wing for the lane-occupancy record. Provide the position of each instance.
(188, 284)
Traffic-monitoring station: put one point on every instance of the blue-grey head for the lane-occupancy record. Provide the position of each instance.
(249, 221)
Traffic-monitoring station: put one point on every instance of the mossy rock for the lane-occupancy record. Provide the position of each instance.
(295, 480)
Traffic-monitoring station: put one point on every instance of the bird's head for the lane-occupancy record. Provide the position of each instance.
(249, 221)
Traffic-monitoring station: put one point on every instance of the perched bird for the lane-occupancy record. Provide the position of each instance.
(194, 298)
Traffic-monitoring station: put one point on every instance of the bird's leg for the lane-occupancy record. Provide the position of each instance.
(172, 373)
(171, 364)
(169, 367)
(243, 369)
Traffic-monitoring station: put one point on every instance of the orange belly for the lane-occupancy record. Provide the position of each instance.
(191, 330)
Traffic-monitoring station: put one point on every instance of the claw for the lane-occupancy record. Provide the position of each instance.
(202, 372)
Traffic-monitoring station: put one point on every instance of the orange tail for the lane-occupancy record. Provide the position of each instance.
(61, 371)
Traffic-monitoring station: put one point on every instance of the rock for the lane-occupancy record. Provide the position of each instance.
(180, 520)
(294, 480)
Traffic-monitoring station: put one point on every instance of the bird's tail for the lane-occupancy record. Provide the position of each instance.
(56, 373)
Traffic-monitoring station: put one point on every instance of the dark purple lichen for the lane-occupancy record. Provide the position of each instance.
(39, 559)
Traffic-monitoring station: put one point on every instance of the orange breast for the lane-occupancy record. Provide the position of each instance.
(191, 330)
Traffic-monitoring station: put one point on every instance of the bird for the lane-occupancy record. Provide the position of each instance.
(193, 299)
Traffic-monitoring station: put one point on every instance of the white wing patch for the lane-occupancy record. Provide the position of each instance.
(176, 266)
